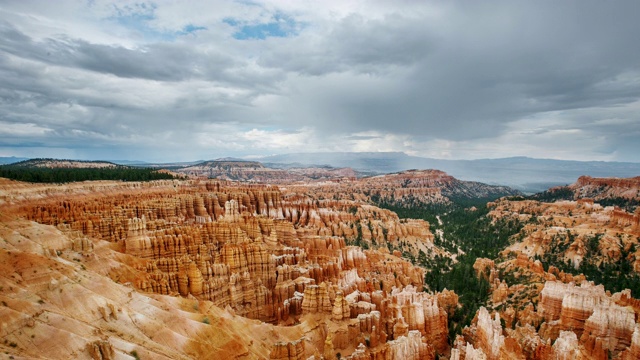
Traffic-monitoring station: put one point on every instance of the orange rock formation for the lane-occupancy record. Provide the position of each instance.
(254, 251)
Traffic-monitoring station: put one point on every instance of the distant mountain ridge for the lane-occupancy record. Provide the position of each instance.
(451, 188)
(525, 174)
(254, 171)
(64, 163)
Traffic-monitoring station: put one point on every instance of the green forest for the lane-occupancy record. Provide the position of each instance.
(614, 276)
(467, 227)
(65, 175)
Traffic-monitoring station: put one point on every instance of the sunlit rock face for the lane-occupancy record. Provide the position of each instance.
(601, 188)
(597, 321)
(579, 322)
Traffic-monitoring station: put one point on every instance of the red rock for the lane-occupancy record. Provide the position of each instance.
(260, 253)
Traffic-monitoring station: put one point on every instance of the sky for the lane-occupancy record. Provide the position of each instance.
(166, 81)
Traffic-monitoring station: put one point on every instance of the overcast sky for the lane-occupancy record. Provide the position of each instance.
(165, 81)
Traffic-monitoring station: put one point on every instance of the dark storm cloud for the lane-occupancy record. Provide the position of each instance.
(353, 44)
(480, 68)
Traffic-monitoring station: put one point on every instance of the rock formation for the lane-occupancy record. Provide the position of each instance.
(576, 322)
(256, 252)
(99, 270)
(293, 350)
(406, 187)
(634, 350)
(600, 188)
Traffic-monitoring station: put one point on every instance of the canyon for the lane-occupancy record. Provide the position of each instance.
(215, 268)
(208, 253)
(539, 311)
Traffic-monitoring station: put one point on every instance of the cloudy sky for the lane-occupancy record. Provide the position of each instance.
(165, 81)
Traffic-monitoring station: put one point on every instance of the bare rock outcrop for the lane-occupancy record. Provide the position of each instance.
(566, 346)
(567, 307)
(101, 350)
(634, 350)
(294, 350)
(610, 327)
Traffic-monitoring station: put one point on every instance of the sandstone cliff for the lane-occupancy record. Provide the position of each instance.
(601, 188)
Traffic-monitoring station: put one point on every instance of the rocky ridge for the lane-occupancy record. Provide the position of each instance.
(407, 188)
(602, 188)
(253, 171)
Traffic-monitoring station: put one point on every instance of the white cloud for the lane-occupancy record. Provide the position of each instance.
(18, 129)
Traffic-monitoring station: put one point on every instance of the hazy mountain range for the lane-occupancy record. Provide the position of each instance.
(525, 174)
(11, 160)
(522, 173)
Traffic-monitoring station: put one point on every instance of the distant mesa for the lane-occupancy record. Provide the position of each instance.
(528, 175)
(64, 164)
(400, 188)
(406, 189)
(621, 192)
(229, 164)
(254, 171)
